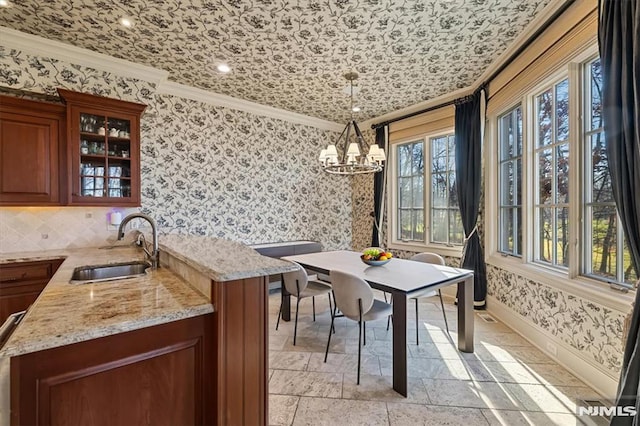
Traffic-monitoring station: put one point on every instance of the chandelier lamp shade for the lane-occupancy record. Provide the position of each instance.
(347, 156)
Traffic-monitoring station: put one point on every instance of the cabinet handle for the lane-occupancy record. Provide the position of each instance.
(11, 279)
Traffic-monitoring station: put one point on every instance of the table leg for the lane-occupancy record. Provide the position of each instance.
(465, 315)
(400, 343)
(286, 300)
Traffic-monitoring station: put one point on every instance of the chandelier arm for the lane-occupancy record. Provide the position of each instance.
(346, 142)
(359, 138)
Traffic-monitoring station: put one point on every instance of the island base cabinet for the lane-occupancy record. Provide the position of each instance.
(159, 375)
(241, 350)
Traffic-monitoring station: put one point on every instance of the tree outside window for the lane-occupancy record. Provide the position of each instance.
(552, 161)
(606, 255)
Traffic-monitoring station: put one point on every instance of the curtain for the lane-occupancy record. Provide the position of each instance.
(468, 137)
(619, 42)
(378, 190)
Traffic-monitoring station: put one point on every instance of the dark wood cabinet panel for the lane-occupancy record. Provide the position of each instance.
(159, 375)
(242, 351)
(31, 142)
(22, 283)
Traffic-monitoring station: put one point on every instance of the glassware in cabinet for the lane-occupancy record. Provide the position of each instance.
(104, 146)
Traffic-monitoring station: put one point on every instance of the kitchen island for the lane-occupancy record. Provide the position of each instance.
(165, 346)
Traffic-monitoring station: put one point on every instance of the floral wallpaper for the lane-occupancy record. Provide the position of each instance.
(586, 326)
(293, 54)
(206, 170)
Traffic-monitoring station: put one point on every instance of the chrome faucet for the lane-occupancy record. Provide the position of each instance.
(154, 256)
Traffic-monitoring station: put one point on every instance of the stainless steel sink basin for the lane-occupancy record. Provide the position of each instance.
(111, 271)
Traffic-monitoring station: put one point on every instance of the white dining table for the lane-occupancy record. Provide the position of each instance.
(403, 279)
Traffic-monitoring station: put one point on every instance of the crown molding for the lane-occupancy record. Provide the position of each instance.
(36, 45)
(417, 107)
(200, 95)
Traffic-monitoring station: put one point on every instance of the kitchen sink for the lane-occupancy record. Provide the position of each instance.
(108, 272)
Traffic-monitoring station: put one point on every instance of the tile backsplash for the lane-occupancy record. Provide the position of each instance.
(48, 228)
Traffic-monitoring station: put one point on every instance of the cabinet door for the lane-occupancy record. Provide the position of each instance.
(29, 159)
(103, 150)
(21, 284)
(160, 375)
(105, 158)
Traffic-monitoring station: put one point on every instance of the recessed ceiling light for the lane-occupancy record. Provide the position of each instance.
(224, 68)
(4, 3)
(124, 21)
(355, 109)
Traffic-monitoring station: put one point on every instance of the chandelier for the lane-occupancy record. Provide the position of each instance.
(352, 147)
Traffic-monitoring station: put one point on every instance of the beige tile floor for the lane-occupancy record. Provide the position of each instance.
(506, 381)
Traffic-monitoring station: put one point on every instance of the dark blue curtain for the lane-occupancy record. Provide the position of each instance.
(468, 174)
(378, 188)
(619, 41)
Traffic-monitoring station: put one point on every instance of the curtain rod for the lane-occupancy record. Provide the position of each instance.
(493, 75)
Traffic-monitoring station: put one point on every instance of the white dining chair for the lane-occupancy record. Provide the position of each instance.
(435, 259)
(297, 284)
(354, 298)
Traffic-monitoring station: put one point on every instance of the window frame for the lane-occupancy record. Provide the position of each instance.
(392, 185)
(571, 279)
(517, 184)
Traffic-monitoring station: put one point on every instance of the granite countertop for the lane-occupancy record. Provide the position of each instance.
(220, 259)
(67, 313)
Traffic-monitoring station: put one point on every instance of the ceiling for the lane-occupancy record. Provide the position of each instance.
(293, 54)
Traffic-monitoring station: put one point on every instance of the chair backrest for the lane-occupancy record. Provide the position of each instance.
(426, 257)
(347, 289)
(290, 279)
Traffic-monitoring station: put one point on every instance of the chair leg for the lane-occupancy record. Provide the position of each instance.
(279, 314)
(295, 327)
(331, 313)
(390, 317)
(313, 303)
(417, 328)
(364, 333)
(359, 337)
(444, 314)
(326, 352)
(359, 347)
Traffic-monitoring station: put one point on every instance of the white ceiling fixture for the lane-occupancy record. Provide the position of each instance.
(352, 161)
(224, 68)
(125, 21)
(4, 3)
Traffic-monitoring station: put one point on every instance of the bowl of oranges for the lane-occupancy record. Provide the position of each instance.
(375, 256)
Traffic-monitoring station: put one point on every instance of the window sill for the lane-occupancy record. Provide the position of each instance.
(441, 249)
(582, 287)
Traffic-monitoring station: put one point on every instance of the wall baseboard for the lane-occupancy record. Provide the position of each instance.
(567, 356)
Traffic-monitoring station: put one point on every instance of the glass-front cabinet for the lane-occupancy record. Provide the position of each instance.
(104, 150)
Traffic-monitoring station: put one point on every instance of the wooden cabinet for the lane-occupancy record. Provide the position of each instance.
(31, 152)
(21, 284)
(103, 138)
(159, 375)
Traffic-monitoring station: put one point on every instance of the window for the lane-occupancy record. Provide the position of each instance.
(510, 182)
(410, 191)
(553, 197)
(425, 194)
(446, 223)
(551, 148)
(606, 255)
